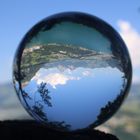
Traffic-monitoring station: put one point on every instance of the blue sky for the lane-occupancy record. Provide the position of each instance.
(76, 101)
(17, 17)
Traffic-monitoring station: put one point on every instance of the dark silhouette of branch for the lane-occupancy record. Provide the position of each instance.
(44, 92)
(59, 125)
(38, 110)
(26, 95)
(110, 108)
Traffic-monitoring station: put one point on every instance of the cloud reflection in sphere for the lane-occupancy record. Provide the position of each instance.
(72, 71)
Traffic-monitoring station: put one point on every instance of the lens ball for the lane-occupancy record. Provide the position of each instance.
(72, 71)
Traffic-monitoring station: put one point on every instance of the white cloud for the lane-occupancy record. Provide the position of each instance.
(54, 78)
(136, 79)
(86, 73)
(132, 39)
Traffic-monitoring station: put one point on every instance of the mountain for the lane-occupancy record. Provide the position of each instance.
(10, 107)
(66, 56)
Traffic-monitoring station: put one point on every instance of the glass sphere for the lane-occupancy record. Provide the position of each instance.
(72, 71)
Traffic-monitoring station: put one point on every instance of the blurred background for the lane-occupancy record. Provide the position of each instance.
(17, 17)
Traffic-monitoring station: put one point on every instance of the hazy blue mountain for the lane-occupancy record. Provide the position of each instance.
(10, 107)
(126, 123)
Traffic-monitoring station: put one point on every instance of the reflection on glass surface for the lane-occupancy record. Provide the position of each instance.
(72, 71)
